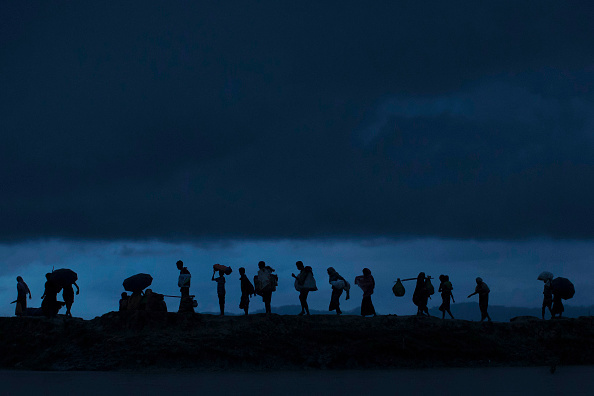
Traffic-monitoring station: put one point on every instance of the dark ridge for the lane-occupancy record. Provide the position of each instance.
(144, 340)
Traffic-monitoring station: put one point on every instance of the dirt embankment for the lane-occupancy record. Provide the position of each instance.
(143, 340)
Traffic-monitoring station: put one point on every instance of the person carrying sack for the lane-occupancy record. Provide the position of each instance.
(421, 295)
(304, 283)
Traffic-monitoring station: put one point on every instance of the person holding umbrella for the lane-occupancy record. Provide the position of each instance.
(136, 284)
(64, 278)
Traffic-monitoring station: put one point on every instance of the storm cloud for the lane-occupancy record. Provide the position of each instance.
(204, 121)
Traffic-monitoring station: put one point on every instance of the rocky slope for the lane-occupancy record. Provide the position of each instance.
(143, 340)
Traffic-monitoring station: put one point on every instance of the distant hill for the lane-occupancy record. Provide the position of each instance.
(464, 311)
(500, 313)
(295, 309)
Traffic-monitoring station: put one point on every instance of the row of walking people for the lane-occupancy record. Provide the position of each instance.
(266, 282)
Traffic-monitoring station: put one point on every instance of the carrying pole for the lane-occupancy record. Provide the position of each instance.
(409, 279)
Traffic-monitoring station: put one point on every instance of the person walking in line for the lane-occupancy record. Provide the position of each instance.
(483, 291)
(367, 284)
(186, 303)
(445, 287)
(338, 285)
(220, 289)
(558, 307)
(547, 301)
(421, 295)
(123, 302)
(247, 290)
(266, 284)
(22, 291)
(50, 305)
(68, 295)
(304, 283)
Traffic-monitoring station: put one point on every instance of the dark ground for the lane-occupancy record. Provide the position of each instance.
(143, 340)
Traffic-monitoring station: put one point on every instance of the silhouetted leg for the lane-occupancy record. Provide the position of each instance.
(450, 312)
(222, 303)
(303, 299)
(267, 298)
(335, 301)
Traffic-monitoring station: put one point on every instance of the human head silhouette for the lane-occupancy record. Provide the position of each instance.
(299, 265)
(180, 264)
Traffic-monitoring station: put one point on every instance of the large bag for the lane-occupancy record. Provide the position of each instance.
(563, 288)
(64, 277)
(257, 285)
(184, 280)
(219, 267)
(273, 281)
(338, 284)
(310, 282)
(398, 288)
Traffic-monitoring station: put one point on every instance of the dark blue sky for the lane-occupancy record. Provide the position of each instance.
(189, 123)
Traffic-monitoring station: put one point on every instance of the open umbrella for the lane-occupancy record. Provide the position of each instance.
(563, 288)
(137, 282)
(64, 277)
(545, 276)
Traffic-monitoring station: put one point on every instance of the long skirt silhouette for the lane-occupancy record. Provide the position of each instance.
(367, 306)
(335, 300)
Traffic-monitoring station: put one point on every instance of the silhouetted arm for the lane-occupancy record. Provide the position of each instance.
(77, 288)
(470, 295)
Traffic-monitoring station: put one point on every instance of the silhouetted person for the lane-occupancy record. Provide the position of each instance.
(124, 302)
(155, 302)
(266, 284)
(421, 295)
(22, 291)
(547, 301)
(557, 306)
(183, 282)
(50, 305)
(483, 291)
(367, 284)
(445, 287)
(135, 301)
(220, 289)
(304, 283)
(338, 285)
(247, 290)
(68, 295)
